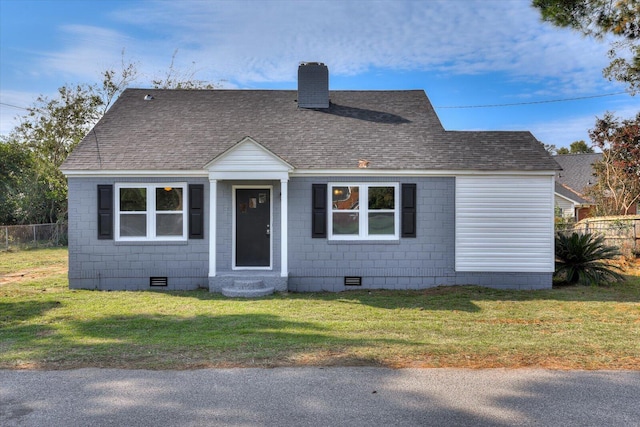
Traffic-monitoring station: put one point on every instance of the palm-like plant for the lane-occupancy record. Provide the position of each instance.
(582, 258)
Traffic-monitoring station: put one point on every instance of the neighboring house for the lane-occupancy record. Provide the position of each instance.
(569, 204)
(576, 177)
(573, 181)
(308, 190)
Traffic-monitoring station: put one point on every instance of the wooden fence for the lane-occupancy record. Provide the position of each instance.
(622, 232)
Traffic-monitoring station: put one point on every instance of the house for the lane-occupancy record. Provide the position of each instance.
(577, 177)
(570, 205)
(573, 182)
(307, 190)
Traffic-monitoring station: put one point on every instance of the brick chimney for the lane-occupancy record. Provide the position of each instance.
(313, 85)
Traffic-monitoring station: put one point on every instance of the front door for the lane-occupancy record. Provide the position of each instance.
(253, 227)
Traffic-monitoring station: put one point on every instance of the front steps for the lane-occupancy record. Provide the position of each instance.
(249, 283)
(247, 289)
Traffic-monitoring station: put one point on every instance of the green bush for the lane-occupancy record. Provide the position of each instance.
(582, 258)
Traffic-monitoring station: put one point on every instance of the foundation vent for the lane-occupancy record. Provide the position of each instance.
(158, 281)
(352, 281)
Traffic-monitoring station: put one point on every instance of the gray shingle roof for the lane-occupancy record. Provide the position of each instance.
(571, 195)
(577, 170)
(186, 129)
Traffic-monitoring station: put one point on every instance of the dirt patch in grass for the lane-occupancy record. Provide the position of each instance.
(31, 274)
(630, 266)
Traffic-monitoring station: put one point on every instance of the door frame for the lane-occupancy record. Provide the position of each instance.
(234, 229)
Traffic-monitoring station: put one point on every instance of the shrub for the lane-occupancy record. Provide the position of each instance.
(582, 258)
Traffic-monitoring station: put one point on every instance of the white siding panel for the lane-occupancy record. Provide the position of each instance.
(566, 206)
(249, 156)
(504, 223)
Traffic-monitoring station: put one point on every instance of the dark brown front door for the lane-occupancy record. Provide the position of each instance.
(253, 222)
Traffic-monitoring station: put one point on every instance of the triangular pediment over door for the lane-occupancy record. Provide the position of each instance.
(248, 160)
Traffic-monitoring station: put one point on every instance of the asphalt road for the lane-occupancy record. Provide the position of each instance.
(319, 397)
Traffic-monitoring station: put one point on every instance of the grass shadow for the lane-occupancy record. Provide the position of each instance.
(152, 341)
(20, 311)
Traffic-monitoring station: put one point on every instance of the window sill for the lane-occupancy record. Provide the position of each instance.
(364, 242)
(151, 242)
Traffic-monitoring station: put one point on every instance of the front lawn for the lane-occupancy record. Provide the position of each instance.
(45, 325)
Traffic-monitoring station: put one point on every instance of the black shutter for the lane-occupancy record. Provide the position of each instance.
(409, 210)
(105, 212)
(319, 210)
(196, 211)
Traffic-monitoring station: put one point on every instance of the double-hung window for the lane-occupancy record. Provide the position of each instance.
(151, 212)
(364, 211)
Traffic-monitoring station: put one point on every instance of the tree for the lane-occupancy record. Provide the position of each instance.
(33, 188)
(50, 130)
(44, 139)
(599, 18)
(16, 172)
(618, 173)
(114, 82)
(579, 147)
(177, 79)
(576, 147)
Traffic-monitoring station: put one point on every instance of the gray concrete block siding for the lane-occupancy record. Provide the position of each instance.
(314, 264)
(425, 261)
(107, 264)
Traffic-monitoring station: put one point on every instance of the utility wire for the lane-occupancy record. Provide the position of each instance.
(13, 106)
(515, 104)
(532, 102)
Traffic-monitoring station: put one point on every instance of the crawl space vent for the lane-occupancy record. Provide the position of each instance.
(352, 281)
(157, 281)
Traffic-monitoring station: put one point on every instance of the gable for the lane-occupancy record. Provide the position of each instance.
(246, 158)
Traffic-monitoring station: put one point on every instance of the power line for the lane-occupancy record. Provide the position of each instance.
(14, 106)
(515, 104)
(532, 102)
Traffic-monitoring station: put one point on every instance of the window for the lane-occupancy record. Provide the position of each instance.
(151, 212)
(363, 211)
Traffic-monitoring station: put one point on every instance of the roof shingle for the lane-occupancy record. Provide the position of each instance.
(186, 129)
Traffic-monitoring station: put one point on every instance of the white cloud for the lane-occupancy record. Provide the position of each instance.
(564, 131)
(248, 43)
(251, 42)
(89, 50)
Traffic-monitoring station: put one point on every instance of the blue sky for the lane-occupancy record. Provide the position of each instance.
(461, 52)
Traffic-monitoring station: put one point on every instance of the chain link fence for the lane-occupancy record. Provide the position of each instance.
(33, 236)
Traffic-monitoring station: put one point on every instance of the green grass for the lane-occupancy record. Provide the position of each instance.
(43, 324)
(17, 261)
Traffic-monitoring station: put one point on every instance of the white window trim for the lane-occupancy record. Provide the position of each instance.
(363, 225)
(151, 212)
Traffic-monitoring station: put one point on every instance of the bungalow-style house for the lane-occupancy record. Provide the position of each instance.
(572, 182)
(307, 190)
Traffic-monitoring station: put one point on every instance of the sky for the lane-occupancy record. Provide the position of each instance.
(465, 54)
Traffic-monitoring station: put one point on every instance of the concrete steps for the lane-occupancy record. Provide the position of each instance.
(247, 289)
